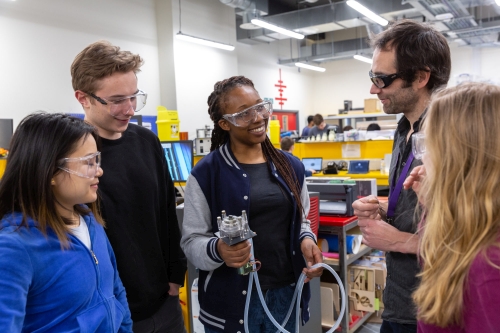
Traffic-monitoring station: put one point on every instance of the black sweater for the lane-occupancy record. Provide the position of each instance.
(138, 206)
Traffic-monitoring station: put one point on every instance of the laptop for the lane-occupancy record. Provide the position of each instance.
(359, 167)
(313, 163)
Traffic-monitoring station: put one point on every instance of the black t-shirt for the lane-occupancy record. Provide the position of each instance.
(270, 217)
(138, 205)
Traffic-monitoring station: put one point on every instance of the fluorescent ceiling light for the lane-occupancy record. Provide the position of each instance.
(205, 42)
(368, 13)
(444, 17)
(364, 59)
(275, 28)
(311, 67)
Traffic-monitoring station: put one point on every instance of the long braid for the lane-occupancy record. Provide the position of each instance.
(220, 137)
(284, 167)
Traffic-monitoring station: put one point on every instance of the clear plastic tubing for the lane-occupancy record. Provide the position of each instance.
(295, 299)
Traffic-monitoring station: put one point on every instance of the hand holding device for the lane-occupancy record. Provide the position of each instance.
(366, 208)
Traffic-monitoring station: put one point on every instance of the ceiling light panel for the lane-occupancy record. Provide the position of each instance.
(278, 29)
(310, 67)
(363, 59)
(368, 13)
(205, 42)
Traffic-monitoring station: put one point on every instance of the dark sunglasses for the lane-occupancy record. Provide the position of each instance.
(383, 81)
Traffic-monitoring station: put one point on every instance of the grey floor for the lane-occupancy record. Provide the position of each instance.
(369, 328)
(365, 328)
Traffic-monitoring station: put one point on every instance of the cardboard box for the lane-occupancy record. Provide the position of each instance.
(330, 303)
(372, 105)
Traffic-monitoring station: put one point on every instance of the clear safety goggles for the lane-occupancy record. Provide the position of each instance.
(123, 105)
(85, 167)
(243, 118)
(418, 145)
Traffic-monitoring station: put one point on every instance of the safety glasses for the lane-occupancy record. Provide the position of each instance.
(243, 118)
(123, 105)
(418, 145)
(383, 81)
(85, 167)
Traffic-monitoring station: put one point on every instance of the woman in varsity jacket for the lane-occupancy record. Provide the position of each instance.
(245, 172)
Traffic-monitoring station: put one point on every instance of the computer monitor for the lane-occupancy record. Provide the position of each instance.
(312, 163)
(179, 156)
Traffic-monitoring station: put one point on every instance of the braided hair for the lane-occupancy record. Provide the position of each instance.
(220, 137)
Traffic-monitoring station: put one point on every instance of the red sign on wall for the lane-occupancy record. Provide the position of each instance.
(281, 100)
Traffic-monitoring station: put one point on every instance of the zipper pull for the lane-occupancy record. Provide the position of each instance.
(95, 258)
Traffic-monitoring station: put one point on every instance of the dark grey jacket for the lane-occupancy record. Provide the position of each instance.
(402, 268)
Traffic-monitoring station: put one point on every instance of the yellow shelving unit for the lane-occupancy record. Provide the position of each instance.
(372, 149)
(3, 164)
(197, 158)
(382, 179)
(333, 150)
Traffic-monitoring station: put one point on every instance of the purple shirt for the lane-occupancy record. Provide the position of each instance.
(481, 298)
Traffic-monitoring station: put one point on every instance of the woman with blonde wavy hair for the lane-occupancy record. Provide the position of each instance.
(460, 244)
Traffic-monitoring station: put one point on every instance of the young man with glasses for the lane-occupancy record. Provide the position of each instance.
(410, 61)
(137, 193)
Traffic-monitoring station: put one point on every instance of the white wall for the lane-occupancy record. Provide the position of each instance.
(197, 67)
(40, 39)
(342, 80)
(165, 33)
(480, 63)
(348, 79)
(260, 64)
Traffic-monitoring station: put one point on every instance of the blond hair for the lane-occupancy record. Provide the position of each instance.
(460, 195)
(99, 60)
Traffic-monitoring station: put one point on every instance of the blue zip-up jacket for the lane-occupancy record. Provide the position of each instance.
(218, 182)
(44, 288)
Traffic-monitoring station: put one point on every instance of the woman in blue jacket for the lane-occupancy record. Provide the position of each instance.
(58, 271)
(245, 172)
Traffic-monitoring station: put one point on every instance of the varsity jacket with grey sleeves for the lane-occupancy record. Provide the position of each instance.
(218, 182)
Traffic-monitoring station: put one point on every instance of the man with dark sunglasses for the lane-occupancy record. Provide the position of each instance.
(410, 61)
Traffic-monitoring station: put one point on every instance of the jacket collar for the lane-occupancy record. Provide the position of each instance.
(228, 156)
(230, 159)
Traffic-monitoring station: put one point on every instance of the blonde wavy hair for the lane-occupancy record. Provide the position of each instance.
(460, 194)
